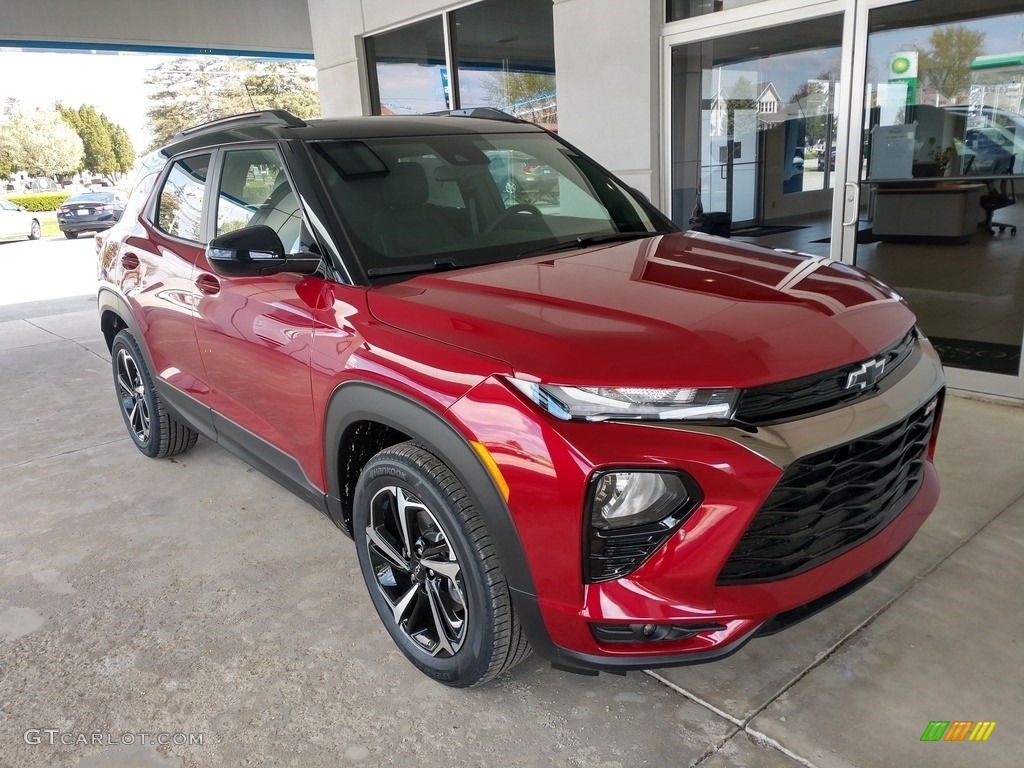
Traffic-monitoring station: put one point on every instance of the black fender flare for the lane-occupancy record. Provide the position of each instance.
(353, 402)
(181, 406)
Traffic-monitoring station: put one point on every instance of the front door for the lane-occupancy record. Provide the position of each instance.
(255, 333)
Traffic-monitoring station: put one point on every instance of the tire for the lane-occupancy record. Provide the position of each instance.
(35, 231)
(154, 432)
(435, 581)
(70, 235)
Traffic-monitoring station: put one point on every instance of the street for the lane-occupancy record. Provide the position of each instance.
(51, 268)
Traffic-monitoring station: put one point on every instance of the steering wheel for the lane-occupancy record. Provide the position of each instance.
(511, 211)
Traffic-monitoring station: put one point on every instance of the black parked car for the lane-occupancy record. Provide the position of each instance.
(90, 212)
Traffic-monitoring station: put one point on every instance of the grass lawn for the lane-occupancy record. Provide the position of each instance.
(49, 225)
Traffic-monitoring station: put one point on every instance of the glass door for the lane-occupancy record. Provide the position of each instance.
(888, 134)
(935, 159)
(755, 94)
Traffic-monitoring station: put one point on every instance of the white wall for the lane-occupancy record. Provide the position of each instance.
(606, 68)
(606, 71)
(277, 26)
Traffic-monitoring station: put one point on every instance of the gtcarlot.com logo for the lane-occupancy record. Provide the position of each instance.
(55, 737)
(958, 730)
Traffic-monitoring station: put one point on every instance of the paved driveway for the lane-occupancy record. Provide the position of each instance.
(195, 598)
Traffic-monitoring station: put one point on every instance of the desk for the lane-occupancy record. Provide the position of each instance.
(946, 212)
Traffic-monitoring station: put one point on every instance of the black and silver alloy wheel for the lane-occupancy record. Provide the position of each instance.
(417, 571)
(153, 430)
(431, 570)
(131, 392)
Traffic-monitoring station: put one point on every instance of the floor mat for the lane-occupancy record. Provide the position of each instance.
(864, 237)
(763, 231)
(978, 355)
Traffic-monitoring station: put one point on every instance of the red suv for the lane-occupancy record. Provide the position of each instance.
(559, 425)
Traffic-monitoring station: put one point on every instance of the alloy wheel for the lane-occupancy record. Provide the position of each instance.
(417, 572)
(131, 392)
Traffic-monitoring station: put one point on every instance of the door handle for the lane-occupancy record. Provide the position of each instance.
(208, 284)
(852, 198)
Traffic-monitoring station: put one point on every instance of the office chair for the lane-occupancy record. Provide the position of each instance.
(1000, 196)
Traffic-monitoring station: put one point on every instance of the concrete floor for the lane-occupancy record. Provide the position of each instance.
(195, 596)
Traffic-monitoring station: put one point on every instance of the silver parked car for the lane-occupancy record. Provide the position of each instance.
(15, 221)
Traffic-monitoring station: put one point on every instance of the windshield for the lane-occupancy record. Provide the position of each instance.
(413, 204)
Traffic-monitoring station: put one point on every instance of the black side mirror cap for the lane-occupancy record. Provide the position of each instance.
(256, 250)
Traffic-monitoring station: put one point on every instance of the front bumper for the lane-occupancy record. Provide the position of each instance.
(679, 585)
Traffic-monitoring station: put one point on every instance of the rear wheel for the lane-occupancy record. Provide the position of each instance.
(35, 231)
(151, 428)
(431, 569)
(70, 235)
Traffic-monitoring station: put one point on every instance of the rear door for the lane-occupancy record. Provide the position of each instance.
(156, 264)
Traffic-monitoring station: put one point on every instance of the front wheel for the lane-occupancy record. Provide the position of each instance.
(70, 235)
(154, 431)
(431, 569)
(35, 231)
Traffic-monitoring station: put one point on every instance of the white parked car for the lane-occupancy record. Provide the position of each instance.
(15, 221)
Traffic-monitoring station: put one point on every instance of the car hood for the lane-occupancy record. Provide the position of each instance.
(681, 309)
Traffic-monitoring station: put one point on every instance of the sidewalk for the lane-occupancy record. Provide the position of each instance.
(195, 596)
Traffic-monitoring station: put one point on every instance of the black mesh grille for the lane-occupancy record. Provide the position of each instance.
(809, 394)
(829, 502)
(616, 552)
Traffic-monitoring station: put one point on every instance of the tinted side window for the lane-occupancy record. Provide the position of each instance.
(180, 204)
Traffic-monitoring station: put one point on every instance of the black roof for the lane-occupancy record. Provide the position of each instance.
(277, 125)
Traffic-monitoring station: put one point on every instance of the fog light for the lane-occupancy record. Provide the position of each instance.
(631, 513)
(623, 499)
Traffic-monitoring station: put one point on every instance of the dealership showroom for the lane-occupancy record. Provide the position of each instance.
(187, 610)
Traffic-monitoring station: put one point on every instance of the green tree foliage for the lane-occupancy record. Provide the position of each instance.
(108, 149)
(124, 150)
(41, 143)
(190, 91)
(530, 95)
(945, 66)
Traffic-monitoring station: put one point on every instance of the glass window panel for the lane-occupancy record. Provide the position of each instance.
(944, 139)
(505, 57)
(180, 205)
(688, 9)
(409, 63)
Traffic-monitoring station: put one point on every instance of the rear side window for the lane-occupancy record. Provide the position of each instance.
(179, 208)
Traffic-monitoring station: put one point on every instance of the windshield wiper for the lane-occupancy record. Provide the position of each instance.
(585, 241)
(438, 265)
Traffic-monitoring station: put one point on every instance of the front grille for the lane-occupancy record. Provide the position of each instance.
(827, 503)
(818, 392)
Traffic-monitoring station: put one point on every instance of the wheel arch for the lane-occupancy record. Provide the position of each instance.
(363, 418)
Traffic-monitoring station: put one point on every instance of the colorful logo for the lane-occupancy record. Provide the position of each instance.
(958, 730)
(900, 65)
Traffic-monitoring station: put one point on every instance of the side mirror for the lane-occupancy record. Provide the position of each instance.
(256, 250)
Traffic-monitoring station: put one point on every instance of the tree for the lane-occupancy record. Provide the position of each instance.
(99, 154)
(41, 143)
(529, 95)
(124, 150)
(945, 66)
(190, 91)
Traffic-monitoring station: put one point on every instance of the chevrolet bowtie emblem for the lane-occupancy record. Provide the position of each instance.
(866, 375)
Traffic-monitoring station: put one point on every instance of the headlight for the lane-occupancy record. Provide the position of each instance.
(641, 403)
